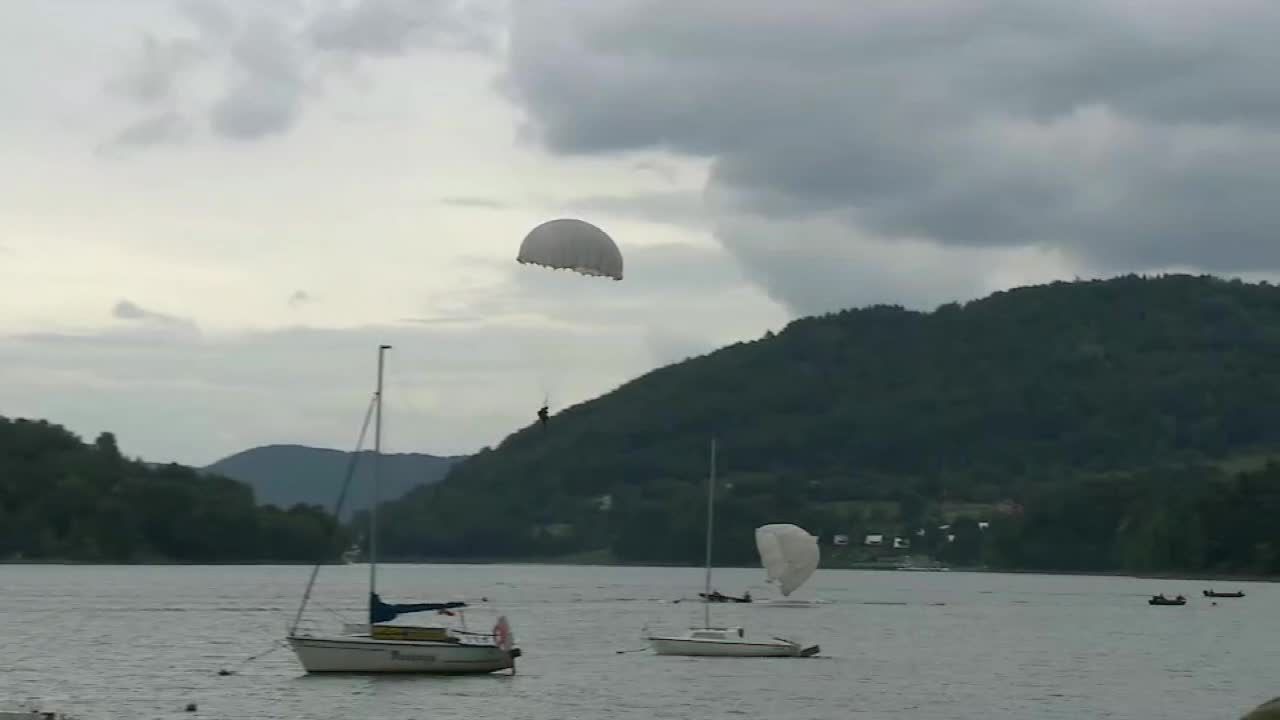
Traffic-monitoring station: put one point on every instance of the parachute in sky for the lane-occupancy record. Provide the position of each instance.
(788, 553)
(568, 244)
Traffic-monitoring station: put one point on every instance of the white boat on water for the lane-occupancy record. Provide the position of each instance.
(389, 649)
(708, 641)
(727, 642)
(380, 646)
(793, 603)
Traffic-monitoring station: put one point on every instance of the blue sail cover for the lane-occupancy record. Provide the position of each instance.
(380, 612)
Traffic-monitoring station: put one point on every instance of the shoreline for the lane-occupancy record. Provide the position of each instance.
(586, 562)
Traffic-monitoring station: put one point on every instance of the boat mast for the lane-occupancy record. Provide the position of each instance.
(377, 456)
(711, 499)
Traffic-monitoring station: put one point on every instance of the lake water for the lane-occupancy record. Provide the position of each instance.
(142, 642)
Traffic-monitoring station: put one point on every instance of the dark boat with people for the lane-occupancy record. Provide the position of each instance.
(1236, 594)
(1162, 600)
(717, 597)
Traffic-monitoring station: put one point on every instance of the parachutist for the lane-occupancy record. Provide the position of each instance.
(542, 416)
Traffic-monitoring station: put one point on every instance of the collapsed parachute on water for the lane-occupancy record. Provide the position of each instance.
(568, 244)
(788, 554)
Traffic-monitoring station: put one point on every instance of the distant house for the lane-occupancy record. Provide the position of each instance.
(557, 530)
(951, 538)
(920, 532)
(874, 540)
(604, 503)
(1008, 507)
(840, 540)
(901, 543)
(944, 528)
(983, 524)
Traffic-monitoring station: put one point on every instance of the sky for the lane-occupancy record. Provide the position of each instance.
(213, 211)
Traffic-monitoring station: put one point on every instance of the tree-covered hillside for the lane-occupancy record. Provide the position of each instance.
(879, 419)
(62, 499)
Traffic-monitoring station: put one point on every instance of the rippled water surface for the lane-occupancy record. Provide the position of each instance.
(142, 642)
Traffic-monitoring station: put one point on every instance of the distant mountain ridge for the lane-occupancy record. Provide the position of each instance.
(285, 475)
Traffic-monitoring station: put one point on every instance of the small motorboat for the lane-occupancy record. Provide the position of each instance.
(717, 597)
(1162, 600)
(1212, 594)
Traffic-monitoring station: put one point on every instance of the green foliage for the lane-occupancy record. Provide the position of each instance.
(63, 499)
(1053, 396)
(1195, 518)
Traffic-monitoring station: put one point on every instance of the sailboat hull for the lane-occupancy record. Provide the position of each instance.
(719, 648)
(788, 603)
(366, 655)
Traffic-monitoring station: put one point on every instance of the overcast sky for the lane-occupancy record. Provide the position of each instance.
(212, 211)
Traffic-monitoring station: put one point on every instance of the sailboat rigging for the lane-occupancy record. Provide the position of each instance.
(378, 646)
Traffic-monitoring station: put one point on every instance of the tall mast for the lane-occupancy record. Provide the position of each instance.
(711, 500)
(377, 458)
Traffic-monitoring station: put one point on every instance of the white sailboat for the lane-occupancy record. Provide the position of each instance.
(790, 556)
(708, 641)
(382, 647)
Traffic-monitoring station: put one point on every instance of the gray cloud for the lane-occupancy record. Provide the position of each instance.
(446, 320)
(158, 129)
(213, 19)
(152, 82)
(1118, 136)
(671, 207)
(274, 55)
(150, 324)
(126, 310)
(266, 95)
(153, 74)
(813, 265)
(666, 171)
(670, 347)
(393, 27)
(299, 298)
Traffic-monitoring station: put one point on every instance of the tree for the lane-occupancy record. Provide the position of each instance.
(63, 499)
(106, 446)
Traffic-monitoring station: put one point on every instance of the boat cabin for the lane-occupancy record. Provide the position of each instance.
(720, 634)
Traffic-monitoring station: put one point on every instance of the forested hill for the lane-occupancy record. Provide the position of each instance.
(62, 499)
(884, 419)
(285, 475)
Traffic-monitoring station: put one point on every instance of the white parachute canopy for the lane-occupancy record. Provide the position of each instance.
(788, 554)
(568, 244)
